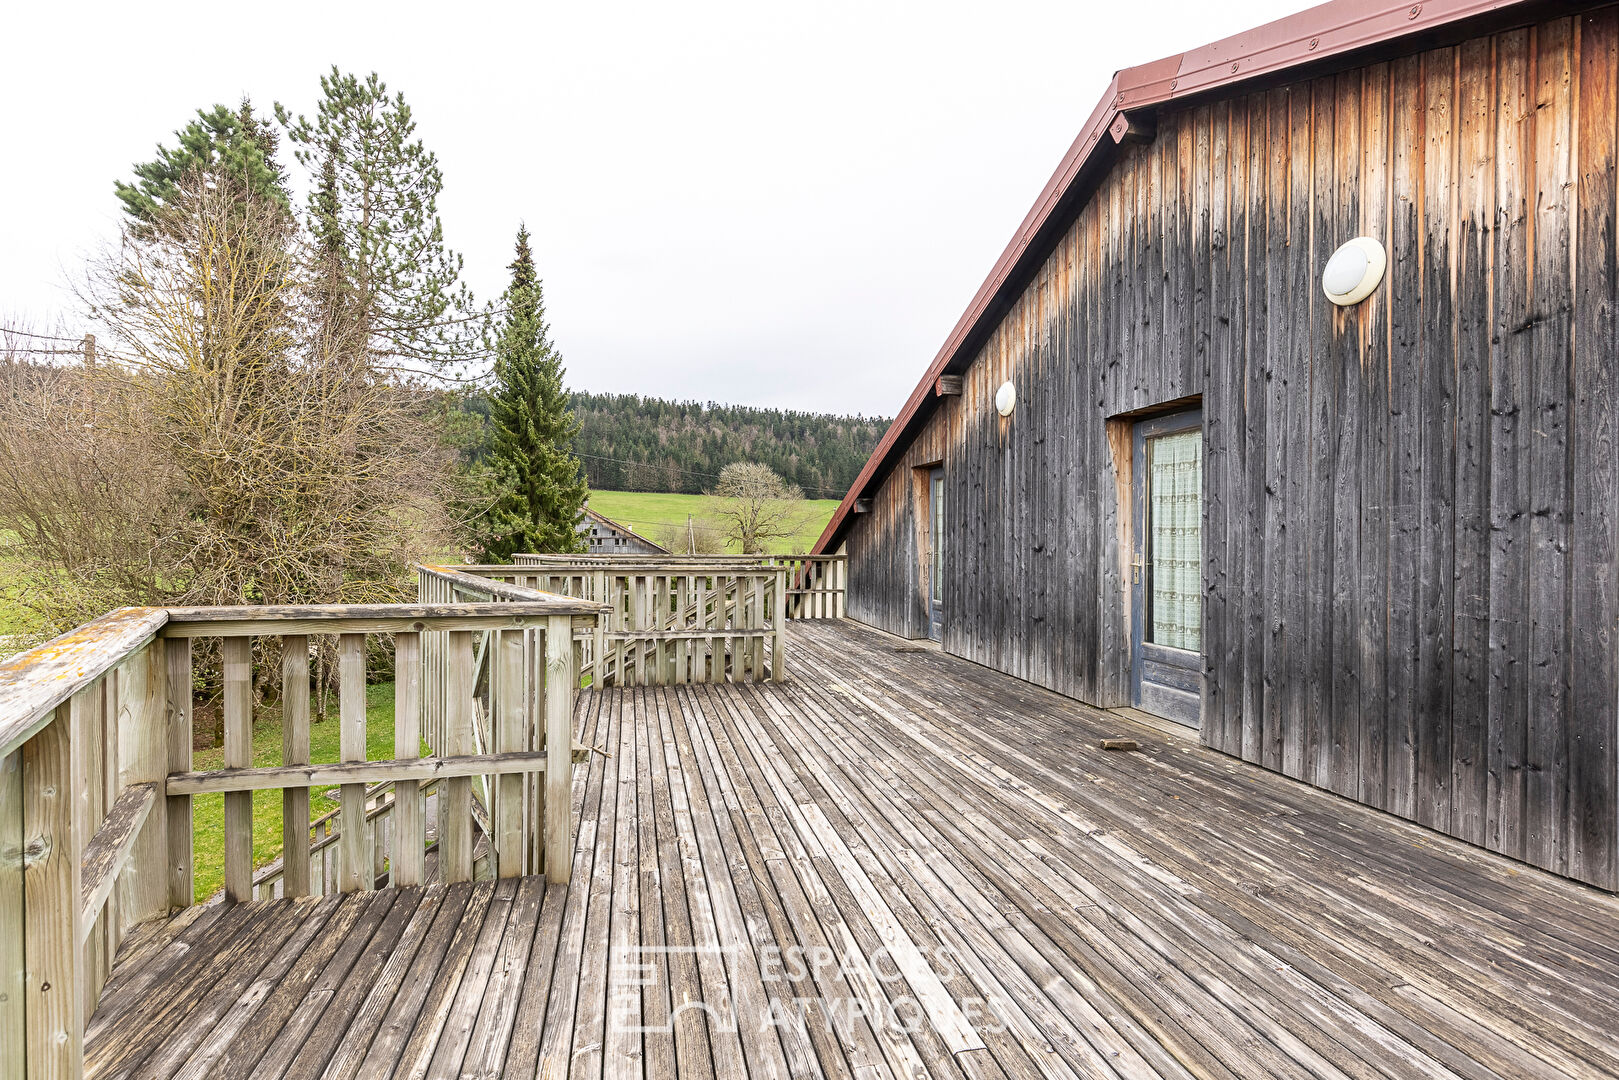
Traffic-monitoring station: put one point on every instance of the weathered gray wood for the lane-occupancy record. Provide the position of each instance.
(53, 1005)
(406, 859)
(411, 912)
(34, 683)
(422, 1040)
(13, 969)
(1593, 852)
(357, 773)
(354, 843)
(237, 660)
(1402, 498)
(1169, 912)
(463, 904)
(383, 619)
(384, 988)
(109, 848)
(510, 737)
(560, 682)
(93, 714)
(295, 1035)
(453, 1020)
(218, 1020)
(181, 868)
(141, 692)
(295, 869)
(455, 798)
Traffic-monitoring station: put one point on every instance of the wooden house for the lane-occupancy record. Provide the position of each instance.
(1367, 542)
(604, 536)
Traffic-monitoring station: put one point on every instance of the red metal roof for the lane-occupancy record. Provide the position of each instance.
(1332, 29)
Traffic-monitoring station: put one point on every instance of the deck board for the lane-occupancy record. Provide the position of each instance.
(978, 890)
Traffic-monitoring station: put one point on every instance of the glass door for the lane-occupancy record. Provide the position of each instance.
(1166, 595)
(935, 567)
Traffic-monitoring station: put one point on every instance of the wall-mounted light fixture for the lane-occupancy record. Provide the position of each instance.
(1006, 399)
(1354, 271)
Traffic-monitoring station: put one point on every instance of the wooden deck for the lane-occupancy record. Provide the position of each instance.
(977, 890)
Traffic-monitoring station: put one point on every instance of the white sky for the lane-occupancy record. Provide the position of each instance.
(759, 203)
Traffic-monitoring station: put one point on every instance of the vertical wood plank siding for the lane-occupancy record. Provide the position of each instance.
(1411, 517)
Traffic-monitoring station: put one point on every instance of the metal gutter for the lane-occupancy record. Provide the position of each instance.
(1308, 37)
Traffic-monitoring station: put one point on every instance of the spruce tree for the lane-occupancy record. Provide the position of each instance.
(541, 488)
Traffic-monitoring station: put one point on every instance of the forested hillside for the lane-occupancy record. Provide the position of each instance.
(632, 443)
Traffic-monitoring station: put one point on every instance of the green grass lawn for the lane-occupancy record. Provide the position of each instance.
(16, 621)
(208, 811)
(646, 512)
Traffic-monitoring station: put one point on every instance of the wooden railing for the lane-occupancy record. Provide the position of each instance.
(816, 584)
(96, 777)
(663, 623)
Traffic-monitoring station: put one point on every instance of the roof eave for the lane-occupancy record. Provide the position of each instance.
(1307, 37)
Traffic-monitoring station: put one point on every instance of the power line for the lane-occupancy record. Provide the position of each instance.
(42, 337)
(12, 350)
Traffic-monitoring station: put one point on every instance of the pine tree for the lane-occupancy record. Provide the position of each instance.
(219, 144)
(540, 483)
(375, 204)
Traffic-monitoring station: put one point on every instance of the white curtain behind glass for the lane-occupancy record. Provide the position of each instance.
(1175, 487)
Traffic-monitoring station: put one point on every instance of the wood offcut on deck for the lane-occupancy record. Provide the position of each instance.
(977, 890)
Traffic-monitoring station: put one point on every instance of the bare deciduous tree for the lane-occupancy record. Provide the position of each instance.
(232, 445)
(755, 506)
(698, 536)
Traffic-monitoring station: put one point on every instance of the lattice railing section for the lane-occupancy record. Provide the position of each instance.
(816, 584)
(662, 623)
(97, 778)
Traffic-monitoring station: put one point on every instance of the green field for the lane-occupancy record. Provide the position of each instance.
(208, 811)
(648, 512)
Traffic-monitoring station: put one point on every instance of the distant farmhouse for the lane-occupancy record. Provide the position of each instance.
(608, 537)
(1290, 412)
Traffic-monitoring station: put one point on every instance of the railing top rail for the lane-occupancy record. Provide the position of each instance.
(569, 569)
(371, 618)
(530, 559)
(34, 683)
(519, 593)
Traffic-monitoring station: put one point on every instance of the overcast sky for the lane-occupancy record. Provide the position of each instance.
(760, 203)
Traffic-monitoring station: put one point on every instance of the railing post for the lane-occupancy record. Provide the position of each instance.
(559, 692)
(94, 731)
(177, 684)
(354, 853)
(295, 751)
(598, 638)
(778, 630)
(509, 737)
(756, 622)
(53, 996)
(455, 794)
(238, 664)
(406, 863)
(143, 757)
(13, 973)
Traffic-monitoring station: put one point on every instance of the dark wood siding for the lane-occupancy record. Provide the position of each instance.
(1410, 532)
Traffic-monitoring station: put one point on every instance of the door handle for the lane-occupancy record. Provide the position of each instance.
(1135, 566)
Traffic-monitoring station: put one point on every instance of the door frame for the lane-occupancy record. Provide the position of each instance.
(1164, 681)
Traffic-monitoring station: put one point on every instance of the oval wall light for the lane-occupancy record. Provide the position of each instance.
(1006, 399)
(1354, 271)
